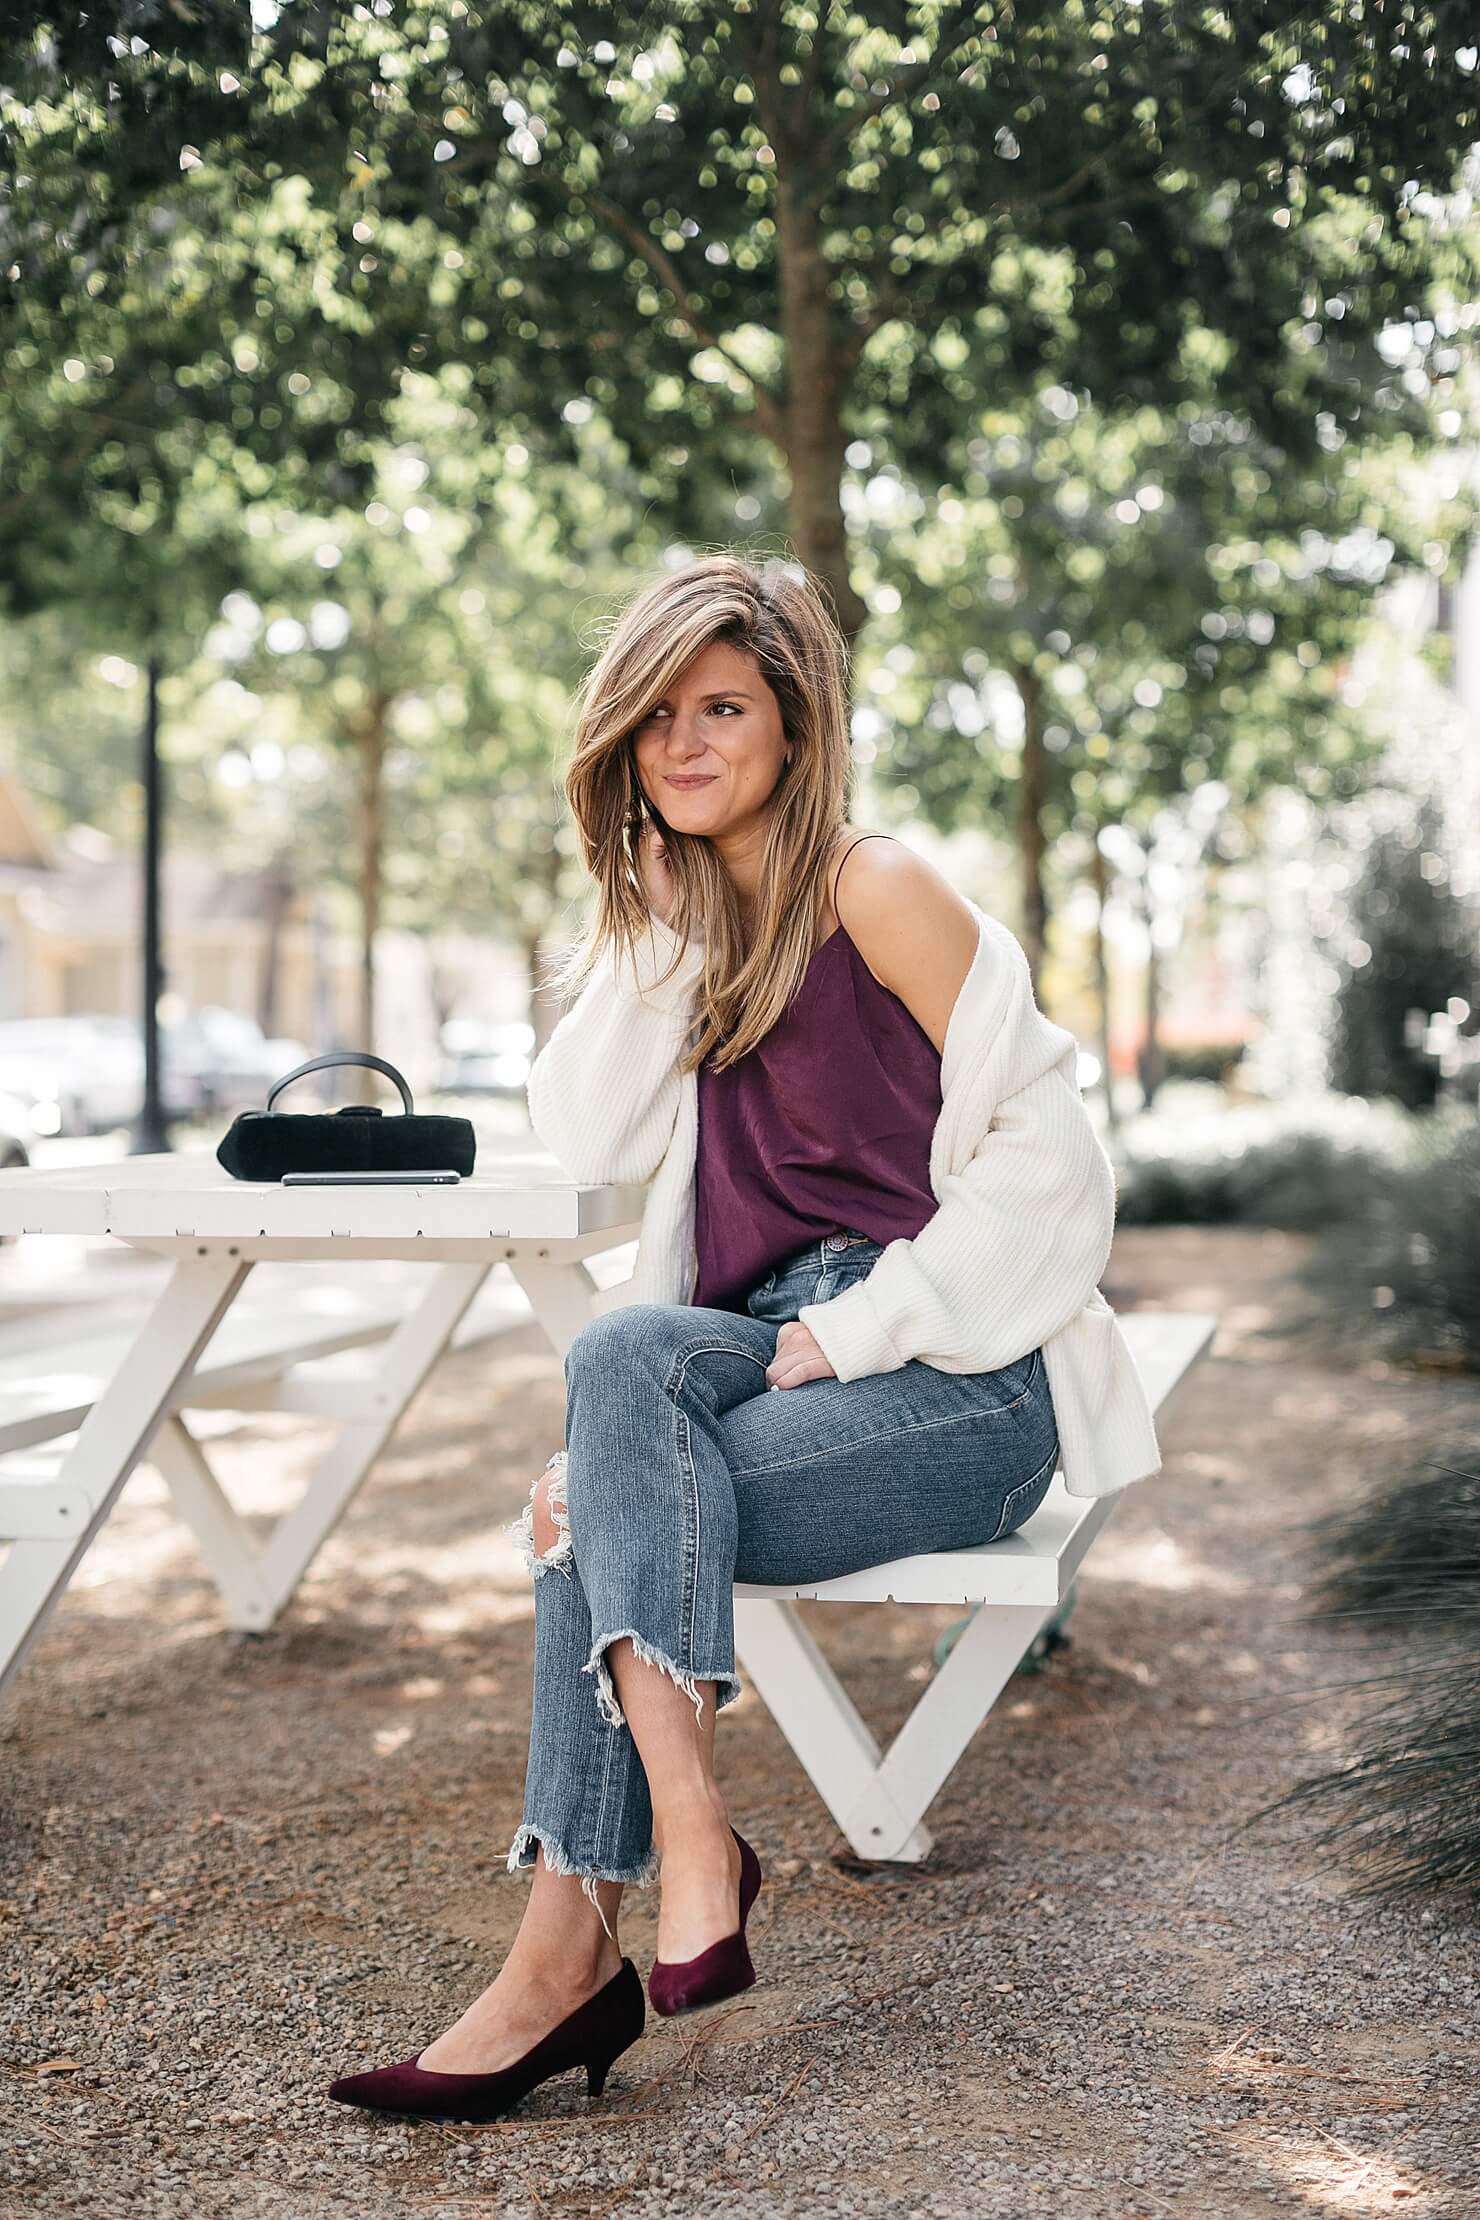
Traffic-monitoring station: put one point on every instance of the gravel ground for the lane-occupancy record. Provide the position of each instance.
(231, 1868)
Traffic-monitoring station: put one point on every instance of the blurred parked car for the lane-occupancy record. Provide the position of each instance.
(215, 1059)
(14, 1153)
(484, 1059)
(81, 1075)
(14, 1134)
(72, 1074)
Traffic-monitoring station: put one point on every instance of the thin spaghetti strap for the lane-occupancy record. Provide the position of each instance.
(847, 852)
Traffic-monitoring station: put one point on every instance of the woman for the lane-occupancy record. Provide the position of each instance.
(864, 1321)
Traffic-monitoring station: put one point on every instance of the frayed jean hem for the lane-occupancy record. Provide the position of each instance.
(727, 1686)
(530, 1838)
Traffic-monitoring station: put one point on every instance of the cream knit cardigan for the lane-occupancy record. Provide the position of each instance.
(1010, 1261)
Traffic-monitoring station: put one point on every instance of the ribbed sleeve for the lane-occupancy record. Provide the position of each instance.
(1024, 1228)
(604, 1090)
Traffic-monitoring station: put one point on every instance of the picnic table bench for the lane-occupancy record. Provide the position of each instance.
(879, 1799)
(71, 1449)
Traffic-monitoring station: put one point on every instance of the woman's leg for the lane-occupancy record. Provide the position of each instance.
(684, 1475)
(562, 1954)
(691, 1829)
(652, 1524)
(586, 1816)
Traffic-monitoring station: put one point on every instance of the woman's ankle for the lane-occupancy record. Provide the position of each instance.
(573, 1954)
(567, 1972)
(700, 1825)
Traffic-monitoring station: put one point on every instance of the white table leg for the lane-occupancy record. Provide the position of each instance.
(111, 1439)
(879, 1800)
(560, 1295)
(231, 1550)
(258, 1579)
(817, 1715)
(923, 1754)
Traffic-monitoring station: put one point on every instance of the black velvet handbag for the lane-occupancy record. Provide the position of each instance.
(263, 1144)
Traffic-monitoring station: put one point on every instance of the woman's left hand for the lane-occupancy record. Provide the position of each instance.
(797, 1358)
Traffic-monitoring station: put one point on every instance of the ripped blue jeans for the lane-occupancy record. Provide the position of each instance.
(682, 1474)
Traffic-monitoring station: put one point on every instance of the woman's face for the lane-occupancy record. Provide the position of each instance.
(720, 726)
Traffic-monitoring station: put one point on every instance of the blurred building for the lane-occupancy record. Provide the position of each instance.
(249, 941)
(69, 932)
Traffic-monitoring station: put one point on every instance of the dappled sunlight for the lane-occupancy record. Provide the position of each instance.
(1327, 2170)
(1209, 1466)
(1334, 2177)
(1387, 1422)
(448, 1620)
(1313, 1404)
(1236, 1321)
(455, 1586)
(141, 1548)
(1156, 1560)
(489, 1568)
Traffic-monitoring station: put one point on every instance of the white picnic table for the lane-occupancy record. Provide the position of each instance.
(525, 1212)
(190, 1349)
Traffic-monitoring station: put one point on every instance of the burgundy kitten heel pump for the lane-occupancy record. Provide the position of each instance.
(594, 2035)
(721, 1971)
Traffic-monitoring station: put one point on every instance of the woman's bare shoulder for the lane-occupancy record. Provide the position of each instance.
(916, 933)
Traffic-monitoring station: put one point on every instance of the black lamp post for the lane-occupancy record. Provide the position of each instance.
(151, 1131)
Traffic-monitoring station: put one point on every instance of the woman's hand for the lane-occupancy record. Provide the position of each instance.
(657, 878)
(797, 1359)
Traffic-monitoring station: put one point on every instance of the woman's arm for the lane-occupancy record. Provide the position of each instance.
(604, 1090)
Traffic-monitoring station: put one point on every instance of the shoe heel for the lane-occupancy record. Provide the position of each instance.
(597, 2070)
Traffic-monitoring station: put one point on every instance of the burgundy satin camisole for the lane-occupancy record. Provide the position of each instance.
(823, 1127)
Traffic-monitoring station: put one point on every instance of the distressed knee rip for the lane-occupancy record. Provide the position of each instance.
(542, 1529)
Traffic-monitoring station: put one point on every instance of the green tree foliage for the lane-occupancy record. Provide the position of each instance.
(708, 218)
(746, 236)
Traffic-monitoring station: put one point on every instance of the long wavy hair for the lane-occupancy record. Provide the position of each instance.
(774, 611)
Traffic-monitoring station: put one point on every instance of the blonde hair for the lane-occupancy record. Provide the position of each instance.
(773, 611)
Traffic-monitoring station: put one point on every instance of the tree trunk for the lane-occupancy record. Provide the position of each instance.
(1032, 791)
(1152, 1063)
(446, 977)
(370, 742)
(278, 890)
(812, 432)
(545, 1008)
(1100, 878)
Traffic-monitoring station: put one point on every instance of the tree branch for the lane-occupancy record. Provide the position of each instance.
(1097, 162)
(626, 227)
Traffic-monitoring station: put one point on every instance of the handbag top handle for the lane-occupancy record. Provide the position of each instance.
(345, 1056)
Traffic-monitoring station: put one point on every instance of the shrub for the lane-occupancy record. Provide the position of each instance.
(1408, 1253)
(1212, 1060)
(1293, 1168)
(1404, 1811)
(1411, 1543)
(1419, 946)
